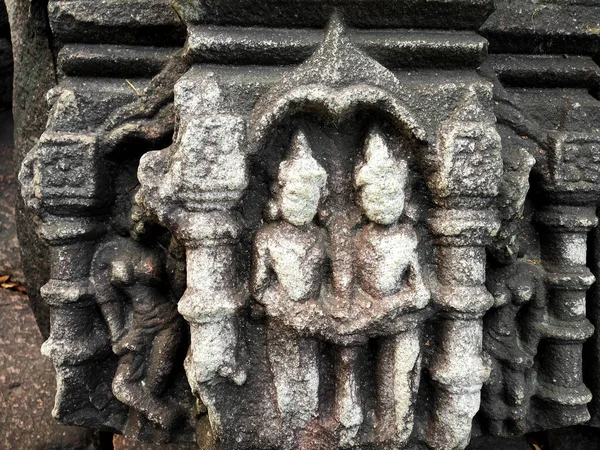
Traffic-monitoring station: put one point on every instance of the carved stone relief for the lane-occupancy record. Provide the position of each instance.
(356, 238)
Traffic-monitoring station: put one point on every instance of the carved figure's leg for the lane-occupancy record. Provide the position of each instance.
(126, 385)
(294, 363)
(515, 391)
(348, 404)
(162, 357)
(492, 399)
(128, 388)
(398, 376)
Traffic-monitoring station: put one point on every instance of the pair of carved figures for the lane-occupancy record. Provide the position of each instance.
(302, 274)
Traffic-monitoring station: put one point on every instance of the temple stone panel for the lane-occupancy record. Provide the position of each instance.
(321, 224)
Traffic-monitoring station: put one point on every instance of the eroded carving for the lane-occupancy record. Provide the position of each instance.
(133, 293)
(366, 252)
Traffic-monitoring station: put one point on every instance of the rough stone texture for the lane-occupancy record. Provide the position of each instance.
(34, 76)
(365, 230)
(27, 382)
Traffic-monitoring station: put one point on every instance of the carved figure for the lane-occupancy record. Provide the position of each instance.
(132, 291)
(289, 258)
(386, 250)
(387, 265)
(511, 339)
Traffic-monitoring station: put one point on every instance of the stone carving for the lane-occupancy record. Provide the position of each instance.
(289, 260)
(357, 232)
(131, 288)
(512, 343)
(387, 266)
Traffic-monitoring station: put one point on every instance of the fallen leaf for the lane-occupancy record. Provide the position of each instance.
(5, 284)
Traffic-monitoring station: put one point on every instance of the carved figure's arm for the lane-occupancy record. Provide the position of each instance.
(416, 274)
(110, 301)
(498, 287)
(260, 267)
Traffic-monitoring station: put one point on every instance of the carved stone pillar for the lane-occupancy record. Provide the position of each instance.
(77, 336)
(210, 305)
(458, 368)
(60, 182)
(565, 328)
(462, 225)
(192, 191)
(572, 184)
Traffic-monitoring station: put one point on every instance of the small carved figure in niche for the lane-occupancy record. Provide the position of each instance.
(511, 339)
(387, 266)
(133, 293)
(290, 256)
(512, 332)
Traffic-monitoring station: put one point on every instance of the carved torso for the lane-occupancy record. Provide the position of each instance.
(144, 267)
(384, 257)
(296, 257)
(137, 271)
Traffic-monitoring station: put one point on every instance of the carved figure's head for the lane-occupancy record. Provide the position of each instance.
(381, 181)
(130, 219)
(301, 183)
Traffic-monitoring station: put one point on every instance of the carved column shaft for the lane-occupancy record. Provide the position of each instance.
(564, 255)
(458, 368)
(77, 337)
(210, 305)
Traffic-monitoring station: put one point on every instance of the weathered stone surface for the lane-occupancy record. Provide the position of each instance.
(34, 76)
(325, 224)
(141, 22)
